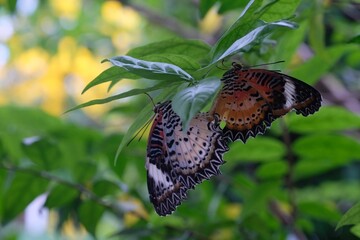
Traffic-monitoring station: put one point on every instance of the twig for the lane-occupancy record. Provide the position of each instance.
(169, 23)
(291, 164)
(286, 219)
(289, 182)
(80, 188)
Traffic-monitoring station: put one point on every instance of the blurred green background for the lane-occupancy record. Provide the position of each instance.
(57, 174)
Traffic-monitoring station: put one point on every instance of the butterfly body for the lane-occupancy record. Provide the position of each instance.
(253, 98)
(177, 160)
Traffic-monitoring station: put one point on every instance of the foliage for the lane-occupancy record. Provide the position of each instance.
(298, 179)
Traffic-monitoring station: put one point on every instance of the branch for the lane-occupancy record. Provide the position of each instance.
(288, 220)
(169, 23)
(80, 188)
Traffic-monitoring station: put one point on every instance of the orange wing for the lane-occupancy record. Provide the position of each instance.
(252, 98)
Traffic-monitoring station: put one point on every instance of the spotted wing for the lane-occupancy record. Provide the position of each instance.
(165, 191)
(283, 92)
(196, 154)
(245, 111)
(252, 98)
(178, 160)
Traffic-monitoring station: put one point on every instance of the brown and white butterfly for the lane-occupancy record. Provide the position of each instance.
(177, 160)
(251, 99)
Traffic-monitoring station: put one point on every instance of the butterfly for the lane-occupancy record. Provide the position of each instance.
(251, 99)
(178, 159)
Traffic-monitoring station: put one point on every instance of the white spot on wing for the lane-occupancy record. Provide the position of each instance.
(158, 176)
(289, 93)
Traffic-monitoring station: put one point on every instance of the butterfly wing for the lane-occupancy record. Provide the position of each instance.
(178, 160)
(196, 154)
(283, 92)
(245, 111)
(165, 191)
(252, 98)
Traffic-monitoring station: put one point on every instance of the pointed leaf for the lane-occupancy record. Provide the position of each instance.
(140, 121)
(195, 49)
(90, 214)
(61, 195)
(327, 147)
(280, 10)
(251, 38)
(246, 30)
(319, 210)
(188, 102)
(329, 118)
(352, 216)
(320, 64)
(186, 63)
(259, 149)
(275, 169)
(205, 6)
(122, 95)
(151, 70)
(321, 153)
(23, 190)
(113, 74)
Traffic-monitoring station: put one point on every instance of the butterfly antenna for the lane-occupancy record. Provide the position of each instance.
(222, 65)
(150, 98)
(265, 64)
(145, 127)
(142, 129)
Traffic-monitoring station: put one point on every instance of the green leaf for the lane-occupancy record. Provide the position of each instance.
(352, 216)
(329, 118)
(141, 119)
(251, 38)
(89, 214)
(17, 124)
(24, 189)
(274, 169)
(321, 153)
(61, 195)
(230, 5)
(194, 49)
(189, 101)
(356, 230)
(289, 43)
(42, 152)
(246, 31)
(105, 187)
(186, 63)
(331, 147)
(84, 171)
(258, 200)
(205, 6)
(320, 64)
(355, 39)
(151, 70)
(11, 5)
(280, 10)
(130, 93)
(320, 211)
(316, 33)
(257, 149)
(112, 74)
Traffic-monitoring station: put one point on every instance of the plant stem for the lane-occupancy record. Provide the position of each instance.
(289, 181)
(79, 187)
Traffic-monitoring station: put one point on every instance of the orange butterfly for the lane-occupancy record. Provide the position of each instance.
(251, 99)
